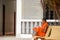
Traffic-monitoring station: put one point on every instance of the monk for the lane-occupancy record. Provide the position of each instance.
(40, 30)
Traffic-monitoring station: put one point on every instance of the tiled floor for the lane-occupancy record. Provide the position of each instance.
(9, 38)
(26, 38)
(14, 38)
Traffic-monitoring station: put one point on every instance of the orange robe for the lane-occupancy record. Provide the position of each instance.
(40, 30)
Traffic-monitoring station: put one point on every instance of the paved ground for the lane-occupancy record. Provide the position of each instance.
(9, 38)
(13, 38)
(26, 38)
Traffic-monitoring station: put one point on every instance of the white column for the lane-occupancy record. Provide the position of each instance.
(27, 27)
(18, 19)
(31, 27)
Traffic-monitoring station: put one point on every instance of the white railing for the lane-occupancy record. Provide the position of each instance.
(27, 25)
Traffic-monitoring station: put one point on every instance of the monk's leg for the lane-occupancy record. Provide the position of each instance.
(36, 38)
(42, 39)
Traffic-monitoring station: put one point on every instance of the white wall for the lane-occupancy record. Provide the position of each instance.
(32, 9)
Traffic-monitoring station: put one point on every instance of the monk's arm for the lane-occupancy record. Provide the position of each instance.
(36, 29)
(44, 26)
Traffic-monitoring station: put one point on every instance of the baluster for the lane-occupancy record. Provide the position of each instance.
(31, 27)
(37, 23)
(27, 28)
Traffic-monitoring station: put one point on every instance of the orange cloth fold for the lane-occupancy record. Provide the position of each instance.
(40, 30)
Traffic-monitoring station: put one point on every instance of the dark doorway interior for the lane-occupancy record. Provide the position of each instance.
(15, 23)
(3, 20)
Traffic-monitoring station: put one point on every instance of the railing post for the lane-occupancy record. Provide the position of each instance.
(31, 27)
(27, 28)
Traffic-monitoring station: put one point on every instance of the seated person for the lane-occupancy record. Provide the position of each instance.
(40, 30)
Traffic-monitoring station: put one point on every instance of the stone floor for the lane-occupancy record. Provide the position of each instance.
(26, 38)
(9, 38)
(14, 38)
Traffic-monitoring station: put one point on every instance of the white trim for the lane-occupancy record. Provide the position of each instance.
(18, 18)
(33, 20)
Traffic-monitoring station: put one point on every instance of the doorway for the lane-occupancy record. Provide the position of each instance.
(9, 23)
